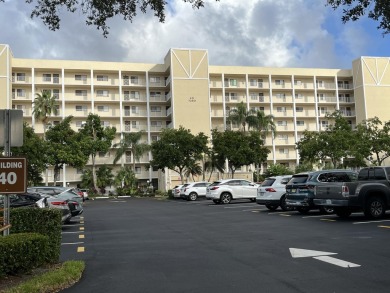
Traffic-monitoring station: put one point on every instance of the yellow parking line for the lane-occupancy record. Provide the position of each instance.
(81, 236)
(255, 211)
(387, 227)
(284, 215)
(328, 220)
(80, 249)
(81, 218)
(81, 228)
(81, 222)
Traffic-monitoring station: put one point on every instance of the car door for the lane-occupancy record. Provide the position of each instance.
(249, 189)
(235, 187)
(201, 188)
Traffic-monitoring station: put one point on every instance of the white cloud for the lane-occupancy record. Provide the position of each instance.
(253, 32)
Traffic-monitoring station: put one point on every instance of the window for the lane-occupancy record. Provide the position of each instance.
(233, 96)
(46, 77)
(321, 97)
(283, 151)
(155, 94)
(155, 123)
(20, 93)
(79, 171)
(280, 96)
(298, 96)
(81, 108)
(155, 109)
(282, 123)
(283, 136)
(56, 94)
(102, 93)
(82, 77)
(320, 83)
(233, 82)
(299, 109)
(279, 81)
(80, 123)
(103, 108)
(137, 170)
(134, 109)
(323, 110)
(81, 93)
(20, 76)
(300, 123)
(102, 77)
(281, 109)
(324, 124)
(253, 96)
(155, 137)
(134, 95)
(135, 124)
(134, 79)
(297, 82)
(126, 95)
(155, 79)
(105, 123)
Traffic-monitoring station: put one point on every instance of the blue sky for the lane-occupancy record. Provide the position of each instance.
(277, 33)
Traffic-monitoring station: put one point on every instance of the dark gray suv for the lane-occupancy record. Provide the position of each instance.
(300, 188)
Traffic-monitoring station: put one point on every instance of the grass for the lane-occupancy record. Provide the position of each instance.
(53, 281)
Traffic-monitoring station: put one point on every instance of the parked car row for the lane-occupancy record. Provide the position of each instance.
(68, 200)
(288, 192)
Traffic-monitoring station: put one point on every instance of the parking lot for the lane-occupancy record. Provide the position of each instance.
(152, 245)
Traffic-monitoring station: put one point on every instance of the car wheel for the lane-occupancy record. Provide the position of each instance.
(326, 210)
(193, 196)
(283, 204)
(343, 213)
(303, 210)
(226, 198)
(374, 208)
(271, 207)
(216, 201)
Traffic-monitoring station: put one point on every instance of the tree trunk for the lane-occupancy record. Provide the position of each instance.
(94, 179)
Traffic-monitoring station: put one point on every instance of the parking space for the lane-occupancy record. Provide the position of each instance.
(73, 239)
(247, 206)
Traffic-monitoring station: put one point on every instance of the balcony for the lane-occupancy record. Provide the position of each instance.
(348, 113)
(134, 82)
(326, 85)
(157, 98)
(134, 98)
(346, 99)
(327, 99)
(135, 113)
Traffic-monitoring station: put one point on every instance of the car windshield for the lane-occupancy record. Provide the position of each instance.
(268, 182)
(299, 179)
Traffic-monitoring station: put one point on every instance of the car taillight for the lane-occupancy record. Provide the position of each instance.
(59, 203)
(270, 189)
(214, 188)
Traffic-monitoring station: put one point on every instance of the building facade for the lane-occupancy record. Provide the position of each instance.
(186, 91)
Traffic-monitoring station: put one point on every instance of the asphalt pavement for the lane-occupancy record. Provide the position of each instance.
(150, 245)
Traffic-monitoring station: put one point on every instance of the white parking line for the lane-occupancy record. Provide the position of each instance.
(278, 213)
(238, 207)
(72, 243)
(253, 210)
(72, 232)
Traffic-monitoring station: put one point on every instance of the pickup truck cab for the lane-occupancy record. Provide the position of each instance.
(300, 188)
(370, 193)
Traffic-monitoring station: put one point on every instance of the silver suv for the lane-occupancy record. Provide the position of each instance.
(272, 192)
(191, 191)
(224, 191)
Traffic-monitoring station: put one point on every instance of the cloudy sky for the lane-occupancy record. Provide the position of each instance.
(293, 33)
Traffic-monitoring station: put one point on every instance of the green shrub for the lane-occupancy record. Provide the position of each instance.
(22, 252)
(170, 194)
(43, 221)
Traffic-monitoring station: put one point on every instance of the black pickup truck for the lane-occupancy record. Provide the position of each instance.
(370, 193)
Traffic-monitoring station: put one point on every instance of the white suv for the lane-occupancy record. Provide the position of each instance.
(191, 191)
(224, 191)
(272, 193)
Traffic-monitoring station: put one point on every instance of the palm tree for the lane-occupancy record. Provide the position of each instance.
(44, 105)
(263, 124)
(241, 115)
(213, 162)
(131, 142)
(193, 170)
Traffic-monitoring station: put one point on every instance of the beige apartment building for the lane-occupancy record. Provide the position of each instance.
(184, 90)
